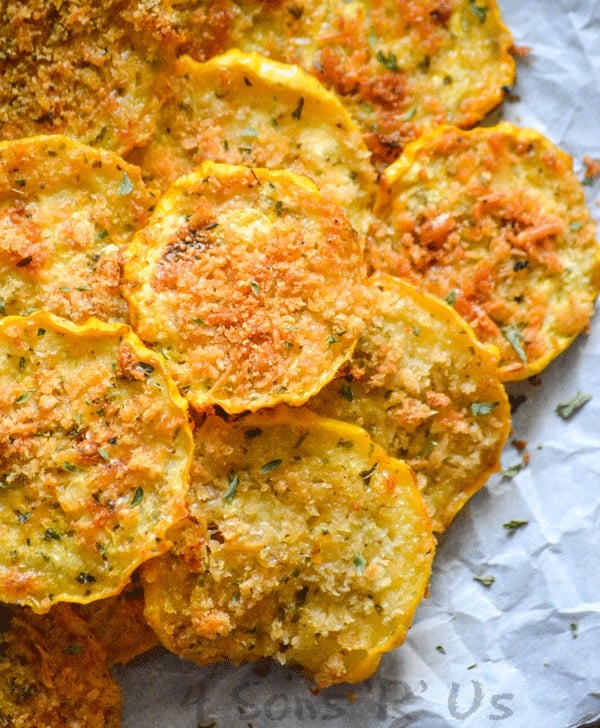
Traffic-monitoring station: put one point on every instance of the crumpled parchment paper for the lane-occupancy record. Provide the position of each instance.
(524, 650)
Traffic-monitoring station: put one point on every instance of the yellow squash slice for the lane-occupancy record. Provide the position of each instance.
(245, 109)
(249, 283)
(306, 543)
(65, 210)
(94, 456)
(428, 392)
(494, 220)
(87, 70)
(399, 67)
(54, 674)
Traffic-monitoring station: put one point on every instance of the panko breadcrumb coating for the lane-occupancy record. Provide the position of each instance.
(87, 70)
(65, 211)
(95, 450)
(249, 282)
(495, 221)
(54, 673)
(427, 391)
(305, 543)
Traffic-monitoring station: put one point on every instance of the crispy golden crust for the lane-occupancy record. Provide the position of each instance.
(53, 674)
(428, 392)
(241, 108)
(249, 282)
(65, 210)
(399, 67)
(495, 221)
(94, 457)
(306, 543)
(84, 69)
(119, 625)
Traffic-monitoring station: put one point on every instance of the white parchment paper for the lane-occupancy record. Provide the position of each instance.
(525, 651)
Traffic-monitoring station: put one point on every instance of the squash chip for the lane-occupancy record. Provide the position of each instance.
(494, 220)
(306, 543)
(399, 67)
(94, 450)
(250, 284)
(65, 210)
(245, 109)
(53, 673)
(87, 70)
(428, 392)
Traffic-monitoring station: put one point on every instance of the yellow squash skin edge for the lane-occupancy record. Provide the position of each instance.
(93, 498)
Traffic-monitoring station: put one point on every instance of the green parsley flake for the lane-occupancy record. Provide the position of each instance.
(270, 466)
(482, 408)
(567, 409)
(22, 398)
(480, 11)
(104, 454)
(451, 298)
(512, 470)
(126, 186)
(514, 525)
(390, 61)
(514, 337)
(232, 485)
(137, 496)
(485, 579)
(73, 649)
(359, 562)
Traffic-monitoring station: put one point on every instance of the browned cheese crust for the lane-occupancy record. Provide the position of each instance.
(494, 220)
(428, 392)
(306, 543)
(54, 674)
(94, 456)
(65, 211)
(249, 283)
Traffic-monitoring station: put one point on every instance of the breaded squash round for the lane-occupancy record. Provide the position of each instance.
(54, 674)
(494, 221)
(241, 108)
(428, 392)
(95, 449)
(305, 543)
(65, 210)
(84, 69)
(399, 67)
(250, 284)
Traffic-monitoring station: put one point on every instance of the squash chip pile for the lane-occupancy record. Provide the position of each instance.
(261, 288)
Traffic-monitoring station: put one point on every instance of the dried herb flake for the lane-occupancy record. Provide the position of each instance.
(567, 409)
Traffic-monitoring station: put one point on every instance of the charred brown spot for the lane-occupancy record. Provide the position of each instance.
(130, 366)
(442, 13)
(193, 243)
